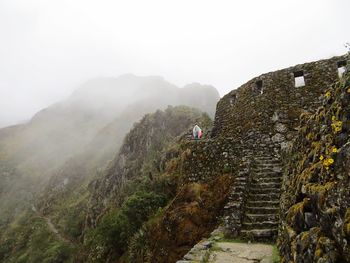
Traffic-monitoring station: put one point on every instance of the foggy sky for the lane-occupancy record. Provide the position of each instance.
(48, 48)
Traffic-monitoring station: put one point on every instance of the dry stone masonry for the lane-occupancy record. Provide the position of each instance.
(315, 205)
(255, 125)
(260, 219)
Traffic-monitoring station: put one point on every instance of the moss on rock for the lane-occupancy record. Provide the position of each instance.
(315, 205)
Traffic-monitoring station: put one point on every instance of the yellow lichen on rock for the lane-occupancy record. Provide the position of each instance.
(346, 227)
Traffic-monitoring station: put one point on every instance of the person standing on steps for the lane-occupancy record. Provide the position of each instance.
(197, 132)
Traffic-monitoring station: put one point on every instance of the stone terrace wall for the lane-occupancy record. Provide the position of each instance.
(207, 159)
(273, 96)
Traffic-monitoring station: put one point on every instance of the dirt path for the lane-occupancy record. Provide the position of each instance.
(54, 230)
(52, 227)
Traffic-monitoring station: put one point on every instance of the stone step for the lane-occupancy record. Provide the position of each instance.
(262, 162)
(267, 180)
(258, 174)
(266, 156)
(238, 188)
(260, 194)
(239, 184)
(259, 225)
(268, 165)
(265, 185)
(241, 179)
(263, 177)
(269, 196)
(235, 196)
(267, 169)
(260, 217)
(230, 205)
(267, 162)
(264, 203)
(268, 233)
(243, 172)
(261, 210)
(266, 177)
(266, 159)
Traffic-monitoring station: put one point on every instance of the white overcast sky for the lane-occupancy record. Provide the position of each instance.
(48, 47)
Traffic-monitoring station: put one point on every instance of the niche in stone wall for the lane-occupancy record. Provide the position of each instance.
(259, 86)
(299, 80)
(341, 68)
(233, 99)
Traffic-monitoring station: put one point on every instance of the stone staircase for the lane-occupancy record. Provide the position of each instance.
(234, 207)
(260, 216)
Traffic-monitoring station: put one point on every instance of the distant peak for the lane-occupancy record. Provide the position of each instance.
(198, 85)
(133, 76)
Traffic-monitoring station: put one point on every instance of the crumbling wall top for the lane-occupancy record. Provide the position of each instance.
(277, 97)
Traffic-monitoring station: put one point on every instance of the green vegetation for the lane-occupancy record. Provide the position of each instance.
(233, 240)
(28, 240)
(119, 225)
(72, 222)
(275, 255)
(122, 226)
(69, 214)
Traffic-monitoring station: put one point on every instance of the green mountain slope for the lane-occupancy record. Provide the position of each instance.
(84, 220)
(69, 141)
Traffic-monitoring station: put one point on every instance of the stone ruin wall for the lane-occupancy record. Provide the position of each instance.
(315, 203)
(257, 104)
(244, 120)
(209, 158)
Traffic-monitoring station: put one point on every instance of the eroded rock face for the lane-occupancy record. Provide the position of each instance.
(315, 206)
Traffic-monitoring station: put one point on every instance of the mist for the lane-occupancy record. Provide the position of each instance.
(49, 48)
(99, 100)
